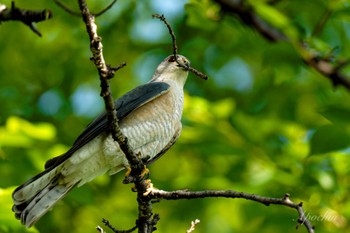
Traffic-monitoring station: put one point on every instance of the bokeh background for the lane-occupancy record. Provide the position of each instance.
(264, 123)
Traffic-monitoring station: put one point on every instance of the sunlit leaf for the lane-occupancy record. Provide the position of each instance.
(336, 114)
(201, 15)
(275, 18)
(8, 223)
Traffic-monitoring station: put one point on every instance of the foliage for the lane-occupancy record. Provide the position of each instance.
(264, 123)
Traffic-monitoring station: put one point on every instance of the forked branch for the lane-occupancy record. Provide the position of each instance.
(28, 17)
(285, 200)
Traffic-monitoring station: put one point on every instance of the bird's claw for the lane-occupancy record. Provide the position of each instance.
(128, 171)
(144, 172)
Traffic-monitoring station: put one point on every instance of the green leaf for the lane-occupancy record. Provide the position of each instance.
(18, 132)
(8, 222)
(330, 138)
(336, 113)
(276, 18)
(202, 15)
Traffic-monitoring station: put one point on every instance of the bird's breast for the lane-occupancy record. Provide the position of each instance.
(150, 127)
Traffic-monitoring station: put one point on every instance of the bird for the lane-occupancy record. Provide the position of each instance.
(149, 116)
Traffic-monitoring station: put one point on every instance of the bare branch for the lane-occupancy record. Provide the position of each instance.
(72, 12)
(285, 201)
(328, 70)
(66, 8)
(246, 13)
(198, 73)
(105, 73)
(193, 225)
(171, 31)
(100, 229)
(107, 223)
(175, 48)
(28, 17)
(324, 18)
(146, 219)
(106, 9)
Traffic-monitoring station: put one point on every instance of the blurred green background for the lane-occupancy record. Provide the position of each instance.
(263, 123)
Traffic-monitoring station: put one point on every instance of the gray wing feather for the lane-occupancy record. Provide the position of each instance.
(124, 105)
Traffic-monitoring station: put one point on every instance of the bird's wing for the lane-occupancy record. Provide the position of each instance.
(124, 105)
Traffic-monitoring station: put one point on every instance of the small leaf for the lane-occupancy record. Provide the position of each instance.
(201, 15)
(8, 221)
(330, 138)
(336, 114)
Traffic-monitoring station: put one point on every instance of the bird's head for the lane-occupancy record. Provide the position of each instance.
(170, 69)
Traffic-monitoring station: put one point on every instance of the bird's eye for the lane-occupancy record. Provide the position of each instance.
(172, 59)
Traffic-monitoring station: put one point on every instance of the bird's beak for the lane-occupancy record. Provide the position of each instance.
(184, 64)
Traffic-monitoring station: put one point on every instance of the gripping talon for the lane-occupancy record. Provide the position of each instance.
(144, 172)
(128, 171)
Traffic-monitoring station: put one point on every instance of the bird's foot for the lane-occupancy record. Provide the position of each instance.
(145, 172)
(128, 171)
(129, 177)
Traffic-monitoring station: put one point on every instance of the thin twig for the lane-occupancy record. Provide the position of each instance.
(67, 9)
(184, 194)
(171, 31)
(175, 48)
(106, 9)
(326, 67)
(324, 18)
(72, 12)
(100, 229)
(109, 225)
(193, 226)
(198, 73)
(28, 17)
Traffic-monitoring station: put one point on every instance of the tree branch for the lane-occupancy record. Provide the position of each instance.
(193, 225)
(107, 223)
(28, 17)
(285, 201)
(105, 9)
(246, 13)
(66, 8)
(105, 73)
(172, 34)
(72, 12)
(146, 219)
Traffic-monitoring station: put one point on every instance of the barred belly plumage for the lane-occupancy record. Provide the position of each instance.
(148, 131)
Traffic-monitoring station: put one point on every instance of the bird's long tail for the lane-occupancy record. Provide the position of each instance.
(35, 197)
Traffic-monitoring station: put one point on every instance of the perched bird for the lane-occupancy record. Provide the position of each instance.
(149, 116)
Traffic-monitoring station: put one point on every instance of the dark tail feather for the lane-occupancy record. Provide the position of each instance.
(35, 197)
